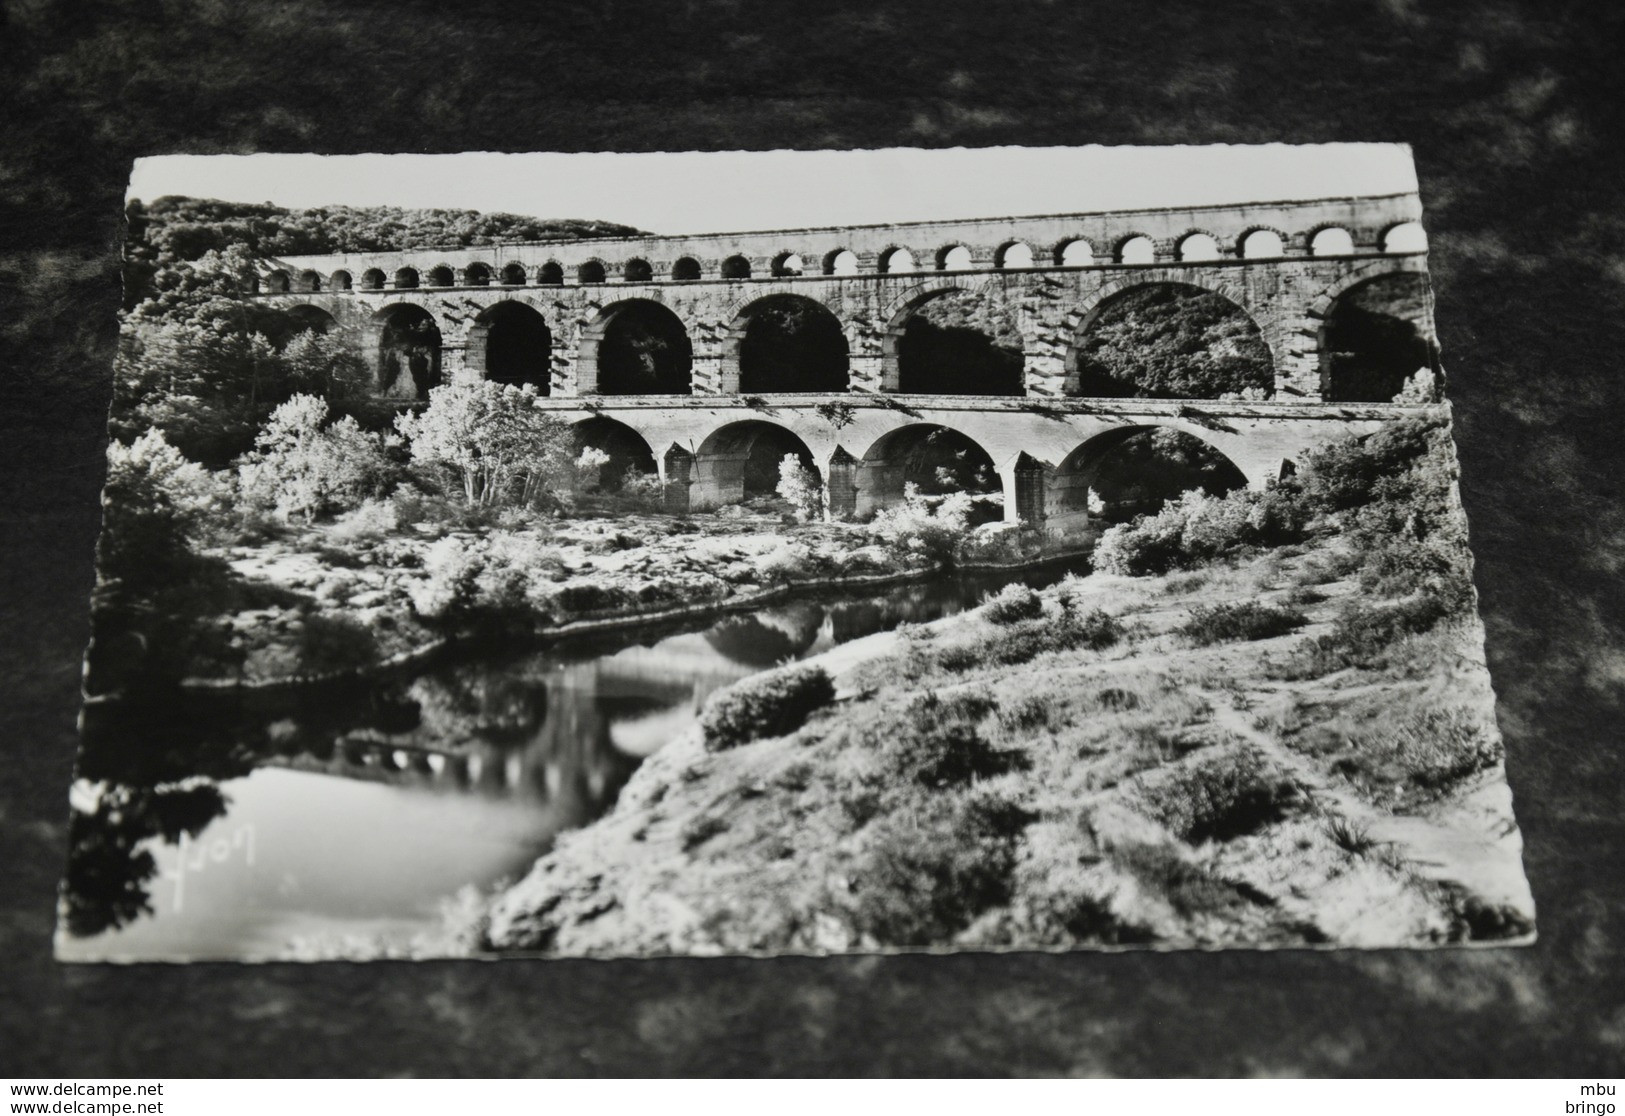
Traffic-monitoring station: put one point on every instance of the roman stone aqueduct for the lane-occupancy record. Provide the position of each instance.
(548, 313)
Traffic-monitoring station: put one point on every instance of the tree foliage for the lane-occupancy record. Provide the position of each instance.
(303, 466)
(493, 441)
(1169, 341)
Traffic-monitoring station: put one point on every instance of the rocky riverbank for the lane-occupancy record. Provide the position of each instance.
(1108, 763)
(329, 600)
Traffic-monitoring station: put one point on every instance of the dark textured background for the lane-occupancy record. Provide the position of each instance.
(1515, 112)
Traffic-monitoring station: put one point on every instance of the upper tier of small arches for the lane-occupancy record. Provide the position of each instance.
(1191, 247)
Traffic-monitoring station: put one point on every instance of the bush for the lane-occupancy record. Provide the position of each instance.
(924, 525)
(301, 468)
(1248, 620)
(1095, 630)
(335, 643)
(921, 875)
(493, 441)
(770, 704)
(1198, 528)
(374, 519)
(1220, 797)
(937, 743)
(800, 488)
(451, 588)
(1012, 603)
(1422, 757)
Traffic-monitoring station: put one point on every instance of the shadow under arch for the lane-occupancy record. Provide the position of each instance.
(510, 343)
(1165, 339)
(637, 346)
(627, 454)
(953, 340)
(1133, 470)
(741, 461)
(925, 457)
(787, 343)
(407, 344)
(1375, 336)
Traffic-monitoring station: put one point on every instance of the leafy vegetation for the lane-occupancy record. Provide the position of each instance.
(1225, 623)
(1169, 341)
(770, 704)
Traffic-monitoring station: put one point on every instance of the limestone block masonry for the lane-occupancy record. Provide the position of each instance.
(872, 279)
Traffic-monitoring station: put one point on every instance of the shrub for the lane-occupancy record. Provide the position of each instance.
(335, 643)
(374, 519)
(1245, 621)
(492, 441)
(924, 525)
(301, 468)
(801, 488)
(1422, 757)
(453, 567)
(937, 743)
(1189, 888)
(1197, 528)
(770, 704)
(1012, 603)
(1220, 797)
(921, 875)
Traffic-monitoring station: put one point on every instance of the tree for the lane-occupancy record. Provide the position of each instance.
(321, 364)
(800, 488)
(302, 468)
(493, 441)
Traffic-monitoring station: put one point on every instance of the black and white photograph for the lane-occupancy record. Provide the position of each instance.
(798, 552)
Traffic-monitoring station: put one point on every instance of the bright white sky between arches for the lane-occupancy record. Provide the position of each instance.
(740, 191)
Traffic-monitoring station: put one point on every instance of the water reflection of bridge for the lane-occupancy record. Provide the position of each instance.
(571, 732)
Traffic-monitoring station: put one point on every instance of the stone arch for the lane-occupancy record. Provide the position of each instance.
(964, 357)
(1405, 236)
(637, 346)
(1262, 242)
(1074, 251)
(686, 269)
(276, 282)
(1197, 246)
(638, 270)
(305, 316)
(897, 260)
(1367, 352)
(309, 281)
(736, 267)
(842, 261)
(509, 342)
(1133, 469)
(441, 276)
(786, 343)
(1013, 254)
(513, 274)
(590, 272)
(477, 275)
(1237, 357)
(1135, 248)
(628, 453)
(1330, 240)
(550, 274)
(736, 462)
(407, 345)
(935, 459)
(954, 257)
(340, 281)
(406, 278)
(372, 279)
(788, 264)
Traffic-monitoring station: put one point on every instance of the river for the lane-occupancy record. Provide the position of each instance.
(352, 819)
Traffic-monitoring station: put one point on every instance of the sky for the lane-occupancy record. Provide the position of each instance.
(741, 191)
